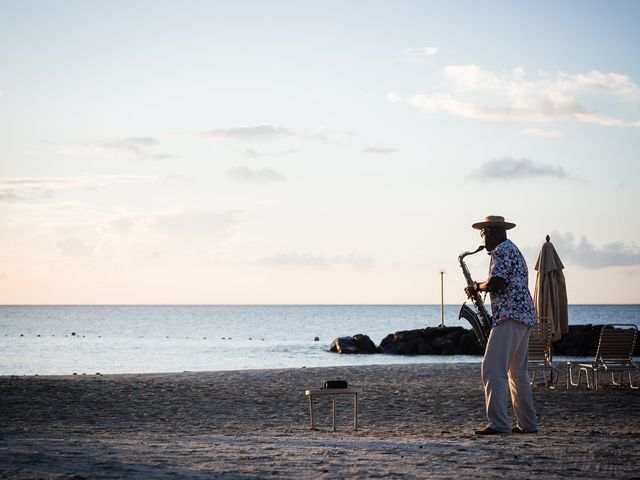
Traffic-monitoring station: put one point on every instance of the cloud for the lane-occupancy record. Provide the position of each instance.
(295, 260)
(309, 260)
(585, 254)
(327, 135)
(512, 97)
(379, 150)
(541, 132)
(508, 168)
(196, 224)
(253, 153)
(8, 195)
(272, 132)
(353, 260)
(264, 175)
(418, 55)
(259, 132)
(12, 188)
(179, 178)
(392, 97)
(123, 224)
(72, 247)
(138, 146)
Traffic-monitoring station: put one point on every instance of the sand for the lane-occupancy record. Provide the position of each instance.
(415, 421)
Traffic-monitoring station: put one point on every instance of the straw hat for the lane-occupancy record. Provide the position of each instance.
(494, 221)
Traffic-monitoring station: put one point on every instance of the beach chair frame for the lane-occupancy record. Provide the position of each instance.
(541, 353)
(614, 355)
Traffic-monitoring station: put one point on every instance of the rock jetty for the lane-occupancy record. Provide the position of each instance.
(581, 341)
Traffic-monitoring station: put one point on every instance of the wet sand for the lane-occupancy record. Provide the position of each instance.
(415, 421)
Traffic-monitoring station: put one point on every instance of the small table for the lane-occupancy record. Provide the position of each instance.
(333, 392)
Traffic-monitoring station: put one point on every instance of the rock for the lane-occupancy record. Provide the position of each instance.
(425, 348)
(357, 344)
(387, 340)
(390, 346)
(451, 348)
(469, 344)
(581, 341)
(344, 345)
(429, 341)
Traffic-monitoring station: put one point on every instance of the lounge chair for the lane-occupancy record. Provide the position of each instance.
(540, 353)
(615, 354)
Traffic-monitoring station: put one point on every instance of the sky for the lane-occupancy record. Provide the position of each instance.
(299, 152)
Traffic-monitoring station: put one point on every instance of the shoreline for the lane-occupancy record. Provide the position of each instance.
(437, 360)
(415, 420)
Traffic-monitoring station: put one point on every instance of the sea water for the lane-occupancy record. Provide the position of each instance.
(61, 339)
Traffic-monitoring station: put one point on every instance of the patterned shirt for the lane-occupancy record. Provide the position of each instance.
(515, 300)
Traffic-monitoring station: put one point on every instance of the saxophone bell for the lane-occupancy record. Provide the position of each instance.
(476, 324)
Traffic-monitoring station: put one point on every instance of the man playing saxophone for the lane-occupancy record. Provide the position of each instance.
(504, 367)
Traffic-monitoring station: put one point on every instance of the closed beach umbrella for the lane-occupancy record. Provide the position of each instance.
(550, 295)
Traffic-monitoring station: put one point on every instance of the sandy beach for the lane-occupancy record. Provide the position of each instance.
(415, 421)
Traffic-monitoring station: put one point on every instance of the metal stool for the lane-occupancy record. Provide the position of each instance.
(333, 392)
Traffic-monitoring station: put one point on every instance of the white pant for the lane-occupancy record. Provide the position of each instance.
(504, 367)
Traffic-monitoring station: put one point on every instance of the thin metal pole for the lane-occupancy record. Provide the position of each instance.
(442, 298)
(313, 425)
(355, 408)
(334, 413)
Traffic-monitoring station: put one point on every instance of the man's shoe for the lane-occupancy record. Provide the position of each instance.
(490, 431)
(517, 429)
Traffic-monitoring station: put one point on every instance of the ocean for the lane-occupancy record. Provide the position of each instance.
(67, 339)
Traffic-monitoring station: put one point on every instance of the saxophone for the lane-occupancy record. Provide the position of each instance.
(481, 321)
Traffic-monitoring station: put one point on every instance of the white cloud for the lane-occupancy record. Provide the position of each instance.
(418, 55)
(585, 254)
(179, 178)
(72, 247)
(473, 77)
(78, 181)
(327, 135)
(603, 82)
(272, 132)
(508, 168)
(541, 132)
(480, 94)
(259, 132)
(257, 175)
(196, 224)
(21, 187)
(138, 146)
(8, 195)
(253, 153)
(355, 261)
(310, 260)
(295, 260)
(392, 97)
(379, 150)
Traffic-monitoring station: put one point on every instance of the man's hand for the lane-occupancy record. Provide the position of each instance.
(470, 290)
(493, 284)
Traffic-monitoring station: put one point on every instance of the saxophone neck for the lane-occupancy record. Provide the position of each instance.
(464, 254)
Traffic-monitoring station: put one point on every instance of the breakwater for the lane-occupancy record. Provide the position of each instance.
(581, 341)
